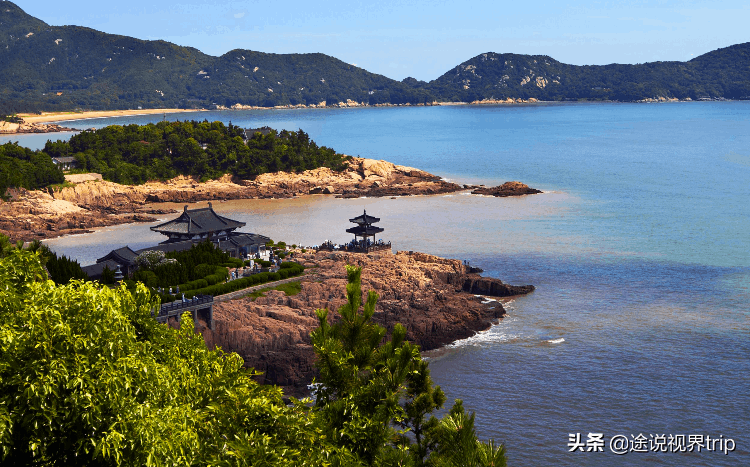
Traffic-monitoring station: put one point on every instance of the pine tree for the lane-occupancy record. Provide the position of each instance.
(376, 395)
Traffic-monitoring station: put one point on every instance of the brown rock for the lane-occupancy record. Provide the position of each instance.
(507, 189)
(425, 293)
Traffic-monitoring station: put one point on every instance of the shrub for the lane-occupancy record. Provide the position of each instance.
(203, 270)
(170, 272)
(233, 263)
(149, 278)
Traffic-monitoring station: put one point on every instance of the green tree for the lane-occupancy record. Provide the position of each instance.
(88, 377)
(372, 392)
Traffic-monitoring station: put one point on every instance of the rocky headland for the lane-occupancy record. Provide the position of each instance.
(8, 128)
(86, 201)
(438, 300)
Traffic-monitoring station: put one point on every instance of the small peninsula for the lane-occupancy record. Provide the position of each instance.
(438, 300)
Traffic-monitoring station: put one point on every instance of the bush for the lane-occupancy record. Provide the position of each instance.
(149, 278)
(170, 273)
(203, 270)
(213, 279)
(233, 263)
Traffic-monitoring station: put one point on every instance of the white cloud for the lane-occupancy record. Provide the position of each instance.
(239, 15)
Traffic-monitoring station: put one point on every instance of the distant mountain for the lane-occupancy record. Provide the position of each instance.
(45, 67)
(63, 67)
(724, 73)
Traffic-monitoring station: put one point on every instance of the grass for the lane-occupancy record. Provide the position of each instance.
(290, 288)
(60, 186)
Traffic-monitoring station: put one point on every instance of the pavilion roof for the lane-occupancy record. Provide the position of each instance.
(365, 231)
(364, 219)
(198, 221)
(124, 255)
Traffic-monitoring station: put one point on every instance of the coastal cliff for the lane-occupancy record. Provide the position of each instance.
(435, 298)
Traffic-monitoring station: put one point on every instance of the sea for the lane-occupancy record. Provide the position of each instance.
(635, 347)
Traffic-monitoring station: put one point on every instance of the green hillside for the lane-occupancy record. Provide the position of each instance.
(724, 73)
(64, 67)
(45, 67)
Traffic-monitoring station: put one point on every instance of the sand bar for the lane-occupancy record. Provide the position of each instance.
(64, 116)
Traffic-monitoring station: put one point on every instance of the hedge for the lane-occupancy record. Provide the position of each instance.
(220, 289)
(219, 273)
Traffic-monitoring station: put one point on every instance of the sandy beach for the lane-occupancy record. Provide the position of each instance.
(45, 117)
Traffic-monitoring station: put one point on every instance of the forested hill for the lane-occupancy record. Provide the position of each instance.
(723, 73)
(45, 67)
(64, 67)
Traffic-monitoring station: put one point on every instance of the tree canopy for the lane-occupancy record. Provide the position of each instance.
(87, 377)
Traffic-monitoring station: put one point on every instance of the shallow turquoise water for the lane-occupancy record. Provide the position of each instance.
(639, 248)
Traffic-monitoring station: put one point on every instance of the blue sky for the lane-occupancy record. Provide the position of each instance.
(417, 38)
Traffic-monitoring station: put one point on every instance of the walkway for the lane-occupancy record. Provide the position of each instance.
(267, 285)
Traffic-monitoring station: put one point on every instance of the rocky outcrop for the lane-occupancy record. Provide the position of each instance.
(101, 203)
(29, 215)
(506, 189)
(7, 128)
(425, 293)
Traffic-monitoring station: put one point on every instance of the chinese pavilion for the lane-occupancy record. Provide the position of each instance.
(364, 228)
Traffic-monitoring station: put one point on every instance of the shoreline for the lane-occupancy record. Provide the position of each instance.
(47, 117)
(56, 117)
(438, 300)
(86, 201)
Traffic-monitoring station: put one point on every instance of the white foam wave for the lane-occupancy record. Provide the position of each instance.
(490, 336)
(556, 341)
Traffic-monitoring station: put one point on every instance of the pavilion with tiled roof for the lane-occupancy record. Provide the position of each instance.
(190, 228)
(364, 228)
(198, 224)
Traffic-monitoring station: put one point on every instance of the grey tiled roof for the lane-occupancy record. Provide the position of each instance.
(365, 230)
(94, 271)
(198, 222)
(63, 159)
(122, 255)
(365, 219)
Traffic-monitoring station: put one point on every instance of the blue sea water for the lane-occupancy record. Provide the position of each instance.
(639, 248)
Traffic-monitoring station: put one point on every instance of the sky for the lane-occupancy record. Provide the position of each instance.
(418, 38)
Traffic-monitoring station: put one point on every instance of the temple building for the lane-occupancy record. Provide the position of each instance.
(191, 227)
(198, 224)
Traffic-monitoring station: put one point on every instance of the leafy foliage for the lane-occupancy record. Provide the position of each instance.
(134, 154)
(24, 168)
(88, 377)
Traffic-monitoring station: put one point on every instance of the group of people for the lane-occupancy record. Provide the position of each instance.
(352, 245)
